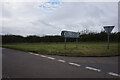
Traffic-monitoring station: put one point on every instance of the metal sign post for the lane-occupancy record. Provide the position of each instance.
(108, 41)
(69, 34)
(108, 30)
(65, 43)
(76, 42)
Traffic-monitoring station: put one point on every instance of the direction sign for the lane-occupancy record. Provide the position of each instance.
(70, 34)
(108, 29)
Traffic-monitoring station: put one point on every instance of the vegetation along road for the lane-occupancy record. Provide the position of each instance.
(84, 48)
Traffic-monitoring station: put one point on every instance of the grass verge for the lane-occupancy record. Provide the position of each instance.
(84, 48)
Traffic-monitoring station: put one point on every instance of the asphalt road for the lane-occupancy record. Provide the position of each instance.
(0, 62)
(18, 64)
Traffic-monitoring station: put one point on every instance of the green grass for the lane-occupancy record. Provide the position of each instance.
(84, 48)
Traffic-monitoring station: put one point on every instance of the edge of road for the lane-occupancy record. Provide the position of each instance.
(71, 63)
(67, 55)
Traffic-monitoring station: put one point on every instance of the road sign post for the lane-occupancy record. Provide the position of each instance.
(108, 30)
(70, 34)
(65, 43)
(108, 41)
(76, 42)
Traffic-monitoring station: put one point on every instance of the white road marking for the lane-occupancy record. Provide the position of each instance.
(43, 56)
(31, 53)
(74, 64)
(114, 74)
(36, 54)
(51, 58)
(90, 68)
(62, 61)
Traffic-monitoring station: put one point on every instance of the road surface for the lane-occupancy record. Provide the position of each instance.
(18, 64)
(0, 62)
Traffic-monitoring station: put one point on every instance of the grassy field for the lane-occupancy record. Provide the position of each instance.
(84, 48)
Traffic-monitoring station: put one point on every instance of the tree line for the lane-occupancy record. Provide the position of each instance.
(102, 36)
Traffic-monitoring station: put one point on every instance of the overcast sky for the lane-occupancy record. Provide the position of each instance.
(34, 18)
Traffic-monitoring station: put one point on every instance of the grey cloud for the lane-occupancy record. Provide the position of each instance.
(71, 16)
(99, 13)
(45, 23)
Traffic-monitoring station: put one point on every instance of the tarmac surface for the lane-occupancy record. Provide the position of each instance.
(18, 64)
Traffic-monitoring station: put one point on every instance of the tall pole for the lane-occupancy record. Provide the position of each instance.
(65, 43)
(76, 42)
(108, 41)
